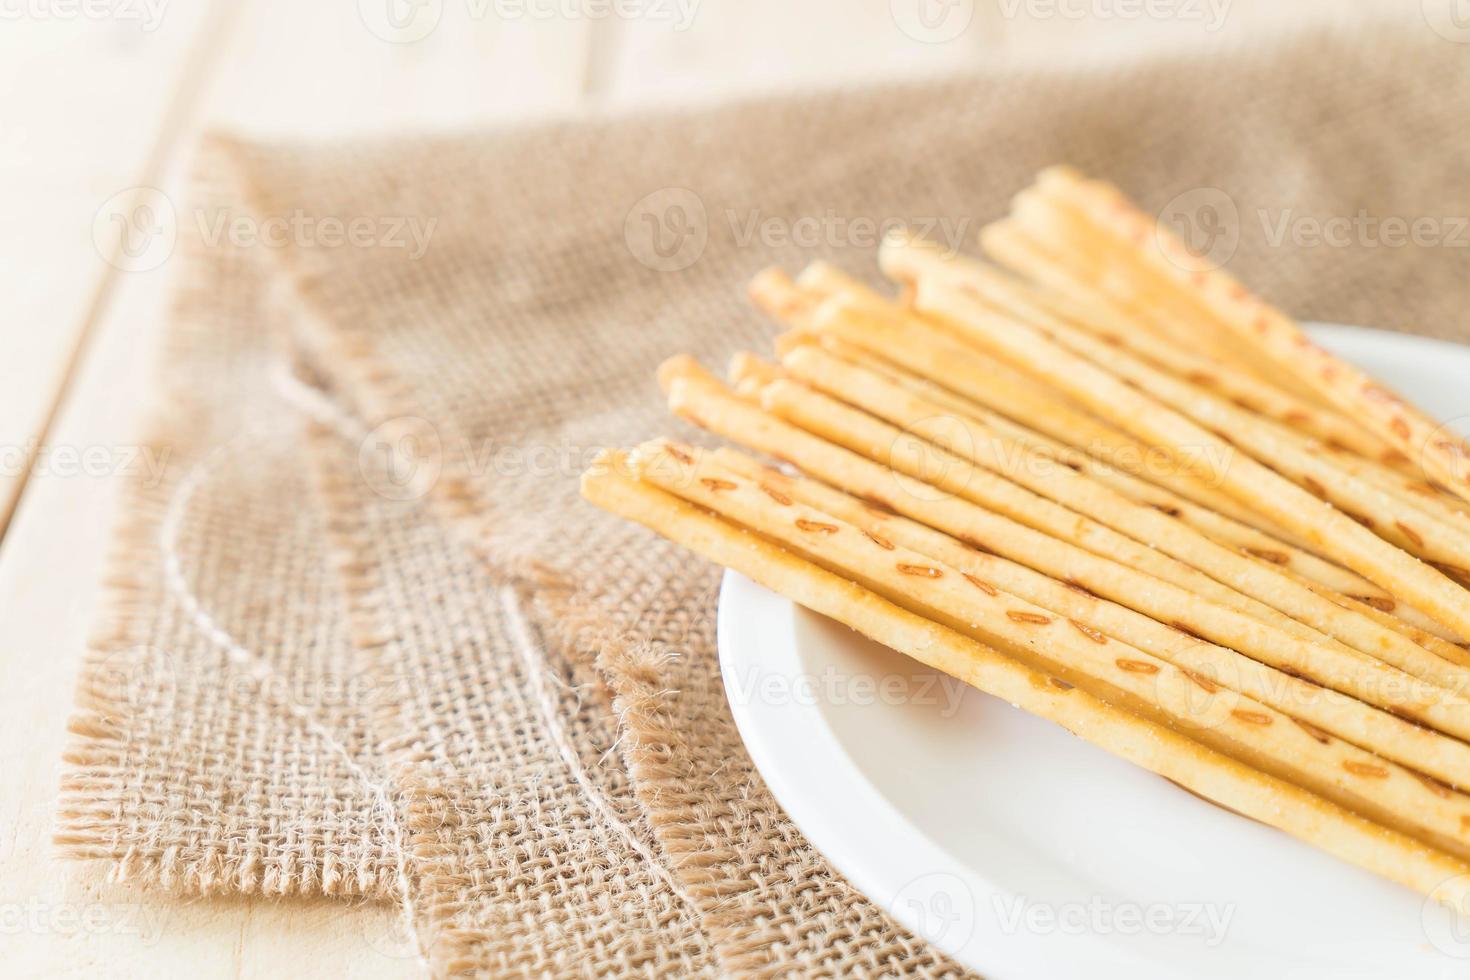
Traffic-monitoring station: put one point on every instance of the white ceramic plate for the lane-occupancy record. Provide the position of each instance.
(1027, 853)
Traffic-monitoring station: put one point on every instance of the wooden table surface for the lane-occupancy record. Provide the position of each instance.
(103, 101)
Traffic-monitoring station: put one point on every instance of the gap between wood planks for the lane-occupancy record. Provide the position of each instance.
(188, 91)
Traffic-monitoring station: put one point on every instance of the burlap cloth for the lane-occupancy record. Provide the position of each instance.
(365, 639)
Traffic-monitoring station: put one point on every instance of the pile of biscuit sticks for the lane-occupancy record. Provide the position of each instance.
(1098, 478)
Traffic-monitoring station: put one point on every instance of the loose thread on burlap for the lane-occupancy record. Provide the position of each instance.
(178, 586)
(312, 402)
(534, 662)
(320, 407)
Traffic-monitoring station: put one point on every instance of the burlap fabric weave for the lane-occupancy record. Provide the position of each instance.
(365, 639)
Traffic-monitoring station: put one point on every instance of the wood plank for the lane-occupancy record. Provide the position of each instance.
(86, 114)
(331, 70)
(718, 50)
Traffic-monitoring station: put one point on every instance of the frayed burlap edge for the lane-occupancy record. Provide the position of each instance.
(177, 428)
(432, 887)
